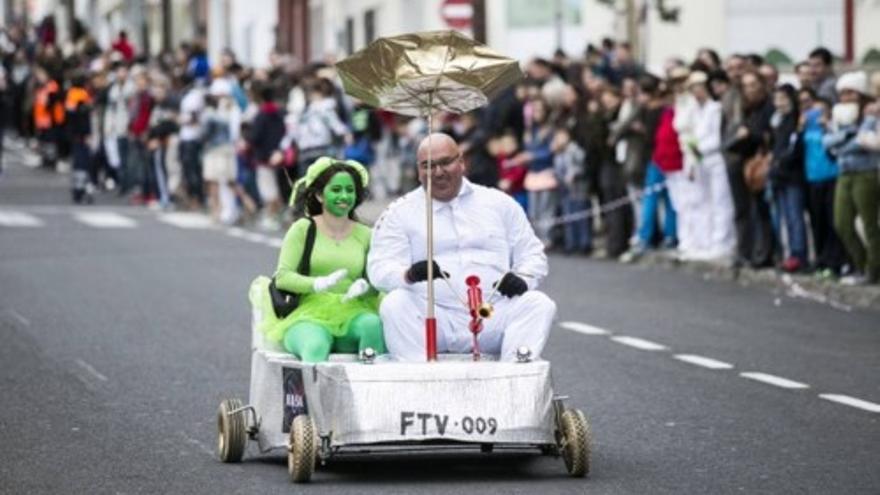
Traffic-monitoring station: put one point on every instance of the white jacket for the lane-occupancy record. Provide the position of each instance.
(116, 116)
(481, 232)
(319, 125)
(701, 124)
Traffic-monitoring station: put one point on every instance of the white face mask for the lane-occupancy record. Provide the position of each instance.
(844, 114)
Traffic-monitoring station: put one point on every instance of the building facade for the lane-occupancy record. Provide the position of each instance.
(330, 29)
(784, 29)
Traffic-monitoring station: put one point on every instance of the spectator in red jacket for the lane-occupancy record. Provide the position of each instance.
(124, 48)
(666, 156)
(138, 159)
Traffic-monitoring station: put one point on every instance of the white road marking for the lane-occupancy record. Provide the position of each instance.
(712, 364)
(91, 369)
(583, 328)
(186, 220)
(105, 220)
(19, 219)
(852, 402)
(645, 345)
(236, 232)
(274, 242)
(777, 381)
(68, 209)
(254, 237)
(21, 319)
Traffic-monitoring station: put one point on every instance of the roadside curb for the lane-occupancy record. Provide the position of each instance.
(796, 286)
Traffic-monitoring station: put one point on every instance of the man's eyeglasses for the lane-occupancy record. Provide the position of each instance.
(442, 162)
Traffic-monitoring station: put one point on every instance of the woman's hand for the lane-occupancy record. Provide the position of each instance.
(357, 289)
(322, 284)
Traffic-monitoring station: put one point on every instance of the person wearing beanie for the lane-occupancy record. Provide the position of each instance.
(854, 122)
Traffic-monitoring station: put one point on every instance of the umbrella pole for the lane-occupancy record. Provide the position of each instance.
(430, 321)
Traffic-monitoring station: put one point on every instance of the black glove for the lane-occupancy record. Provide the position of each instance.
(418, 272)
(511, 285)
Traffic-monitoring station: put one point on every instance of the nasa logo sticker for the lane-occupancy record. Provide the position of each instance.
(294, 396)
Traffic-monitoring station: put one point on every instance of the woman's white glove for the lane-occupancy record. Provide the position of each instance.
(357, 289)
(321, 284)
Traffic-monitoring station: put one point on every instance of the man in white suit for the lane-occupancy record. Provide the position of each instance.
(477, 231)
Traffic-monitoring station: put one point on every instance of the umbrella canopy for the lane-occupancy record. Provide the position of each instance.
(420, 73)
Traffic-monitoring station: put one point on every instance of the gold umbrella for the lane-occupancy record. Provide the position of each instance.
(418, 74)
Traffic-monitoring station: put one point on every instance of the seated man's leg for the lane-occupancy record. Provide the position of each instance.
(308, 341)
(364, 330)
(403, 320)
(525, 321)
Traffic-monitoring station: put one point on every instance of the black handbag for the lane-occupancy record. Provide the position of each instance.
(283, 302)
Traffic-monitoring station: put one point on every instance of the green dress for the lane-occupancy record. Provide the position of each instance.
(323, 308)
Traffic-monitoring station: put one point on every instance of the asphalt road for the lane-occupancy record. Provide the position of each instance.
(121, 332)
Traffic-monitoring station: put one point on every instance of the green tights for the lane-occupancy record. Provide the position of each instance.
(313, 343)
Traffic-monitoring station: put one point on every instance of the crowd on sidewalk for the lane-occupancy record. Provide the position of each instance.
(715, 160)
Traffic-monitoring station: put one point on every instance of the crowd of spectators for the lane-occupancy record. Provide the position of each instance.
(715, 160)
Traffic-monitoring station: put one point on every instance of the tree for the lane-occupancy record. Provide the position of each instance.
(777, 57)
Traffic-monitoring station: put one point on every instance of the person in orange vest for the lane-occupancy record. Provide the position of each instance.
(78, 108)
(48, 116)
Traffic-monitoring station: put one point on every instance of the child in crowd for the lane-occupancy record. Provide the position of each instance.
(511, 173)
(78, 108)
(163, 124)
(569, 164)
(222, 122)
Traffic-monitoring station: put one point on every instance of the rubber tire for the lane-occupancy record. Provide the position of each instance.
(576, 435)
(231, 431)
(303, 452)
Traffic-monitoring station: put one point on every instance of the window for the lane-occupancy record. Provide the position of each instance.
(369, 26)
(349, 35)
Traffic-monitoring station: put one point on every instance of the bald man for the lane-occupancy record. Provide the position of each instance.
(477, 231)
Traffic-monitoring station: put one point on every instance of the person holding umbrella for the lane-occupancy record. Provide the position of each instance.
(478, 231)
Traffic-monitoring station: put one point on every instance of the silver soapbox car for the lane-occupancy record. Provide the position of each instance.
(317, 411)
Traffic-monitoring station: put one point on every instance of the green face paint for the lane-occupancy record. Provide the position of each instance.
(339, 195)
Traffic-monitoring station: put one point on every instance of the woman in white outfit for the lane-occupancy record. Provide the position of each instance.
(706, 228)
(222, 120)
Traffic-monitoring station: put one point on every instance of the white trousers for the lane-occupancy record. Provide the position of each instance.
(111, 151)
(686, 197)
(521, 321)
(704, 211)
(715, 216)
